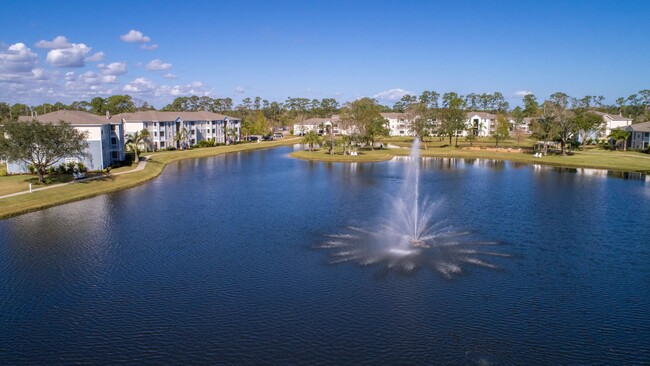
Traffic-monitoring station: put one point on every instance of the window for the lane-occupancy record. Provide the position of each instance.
(113, 128)
(155, 134)
(114, 155)
(113, 141)
(647, 134)
(162, 143)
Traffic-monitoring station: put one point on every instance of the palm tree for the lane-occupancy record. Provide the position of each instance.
(180, 138)
(311, 139)
(133, 140)
(145, 135)
(620, 136)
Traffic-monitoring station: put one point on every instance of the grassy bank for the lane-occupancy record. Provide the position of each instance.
(365, 156)
(624, 161)
(17, 205)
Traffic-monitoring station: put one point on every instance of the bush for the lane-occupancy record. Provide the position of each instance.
(206, 143)
(51, 170)
(170, 148)
(31, 168)
(82, 167)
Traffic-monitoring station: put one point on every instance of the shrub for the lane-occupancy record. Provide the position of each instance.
(170, 148)
(82, 167)
(51, 170)
(62, 169)
(31, 168)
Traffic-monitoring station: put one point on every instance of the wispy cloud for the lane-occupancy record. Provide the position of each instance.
(147, 47)
(391, 95)
(56, 43)
(157, 64)
(521, 93)
(135, 36)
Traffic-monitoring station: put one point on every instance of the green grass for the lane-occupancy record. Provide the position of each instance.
(590, 158)
(365, 156)
(84, 189)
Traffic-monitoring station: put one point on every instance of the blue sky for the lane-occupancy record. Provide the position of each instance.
(156, 50)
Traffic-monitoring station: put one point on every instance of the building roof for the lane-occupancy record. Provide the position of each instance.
(639, 127)
(171, 116)
(72, 117)
(613, 117)
(484, 115)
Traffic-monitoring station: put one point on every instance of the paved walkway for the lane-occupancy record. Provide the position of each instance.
(141, 165)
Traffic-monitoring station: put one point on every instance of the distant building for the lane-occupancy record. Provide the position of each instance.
(398, 124)
(612, 121)
(318, 125)
(163, 126)
(105, 138)
(640, 135)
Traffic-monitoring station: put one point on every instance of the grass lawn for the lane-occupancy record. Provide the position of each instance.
(591, 158)
(365, 155)
(84, 189)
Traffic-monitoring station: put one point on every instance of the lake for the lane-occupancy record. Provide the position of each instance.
(218, 260)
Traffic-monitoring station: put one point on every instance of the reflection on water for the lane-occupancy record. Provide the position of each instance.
(213, 261)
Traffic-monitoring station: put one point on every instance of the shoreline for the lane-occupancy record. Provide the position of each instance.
(80, 190)
(624, 162)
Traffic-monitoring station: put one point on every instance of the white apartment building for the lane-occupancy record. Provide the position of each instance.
(163, 127)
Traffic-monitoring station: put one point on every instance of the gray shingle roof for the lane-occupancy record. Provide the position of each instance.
(639, 127)
(72, 117)
(171, 116)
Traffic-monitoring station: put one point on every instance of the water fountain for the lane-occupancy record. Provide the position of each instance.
(411, 236)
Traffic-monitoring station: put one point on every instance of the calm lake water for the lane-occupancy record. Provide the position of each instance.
(216, 261)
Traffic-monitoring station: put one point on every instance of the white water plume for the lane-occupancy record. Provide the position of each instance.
(411, 237)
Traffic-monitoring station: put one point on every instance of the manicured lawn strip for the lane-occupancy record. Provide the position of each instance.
(365, 156)
(17, 205)
(624, 161)
(610, 160)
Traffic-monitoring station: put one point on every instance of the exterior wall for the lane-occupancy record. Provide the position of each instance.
(485, 126)
(162, 133)
(639, 140)
(611, 124)
(301, 129)
(132, 127)
(92, 162)
(398, 127)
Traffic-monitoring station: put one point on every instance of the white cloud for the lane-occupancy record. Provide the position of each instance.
(135, 36)
(68, 57)
(57, 43)
(522, 93)
(149, 47)
(114, 68)
(239, 90)
(392, 95)
(96, 57)
(18, 58)
(157, 64)
(194, 88)
(169, 75)
(140, 85)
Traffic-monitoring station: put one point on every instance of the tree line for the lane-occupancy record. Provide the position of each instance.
(635, 106)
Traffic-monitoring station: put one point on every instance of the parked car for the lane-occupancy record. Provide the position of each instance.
(278, 135)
